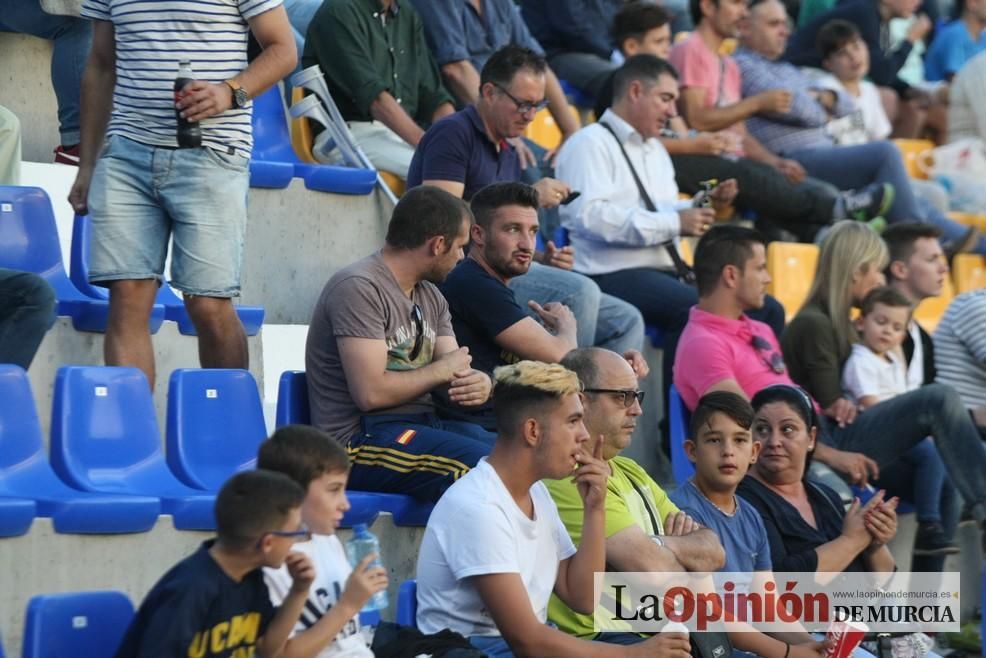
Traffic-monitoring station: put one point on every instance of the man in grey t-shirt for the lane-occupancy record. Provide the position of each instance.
(381, 340)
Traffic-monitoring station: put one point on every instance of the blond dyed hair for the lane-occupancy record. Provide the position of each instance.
(849, 248)
(547, 378)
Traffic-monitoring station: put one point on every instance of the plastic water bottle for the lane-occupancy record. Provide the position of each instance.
(362, 543)
(189, 132)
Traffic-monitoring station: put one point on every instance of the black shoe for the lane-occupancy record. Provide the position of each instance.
(871, 202)
(931, 540)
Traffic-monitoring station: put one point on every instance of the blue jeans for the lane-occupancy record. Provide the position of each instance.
(852, 167)
(420, 455)
(493, 646)
(141, 195)
(72, 39)
(603, 320)
(27, 309)
(885, 432)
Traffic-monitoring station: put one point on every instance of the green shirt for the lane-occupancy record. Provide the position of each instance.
(364, 51)
(632, 498)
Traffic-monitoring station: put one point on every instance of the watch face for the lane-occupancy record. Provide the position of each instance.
(240, 97)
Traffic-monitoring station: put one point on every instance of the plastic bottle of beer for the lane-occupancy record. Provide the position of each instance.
(189, 132)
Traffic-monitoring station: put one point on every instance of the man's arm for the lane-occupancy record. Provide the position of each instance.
(463, 80)
(98, 83)
(632, 549)
(276, 635)
(698, 550)
(529, 340)
(710, 119)
(390, 113)
(452, 187)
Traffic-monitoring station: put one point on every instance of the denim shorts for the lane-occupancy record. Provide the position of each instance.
(141, 195)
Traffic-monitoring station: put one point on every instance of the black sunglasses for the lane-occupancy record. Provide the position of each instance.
(523, 106)
(417, 317)
(773, 359)
(627, 396)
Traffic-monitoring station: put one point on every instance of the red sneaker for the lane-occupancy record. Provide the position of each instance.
(67, 156)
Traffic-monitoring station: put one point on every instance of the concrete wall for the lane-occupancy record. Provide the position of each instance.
(25, 89)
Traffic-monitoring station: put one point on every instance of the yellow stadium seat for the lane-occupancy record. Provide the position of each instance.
(686, 251)
(544, 131)
(792, 269)
(968, 272)
(681, 36)
(929, 312)
(396, 184)
(969, 219)
(913, 151)
(301, 131)
(727, 47)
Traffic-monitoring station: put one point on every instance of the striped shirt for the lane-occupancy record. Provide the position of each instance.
(152, 37)
(960, 347)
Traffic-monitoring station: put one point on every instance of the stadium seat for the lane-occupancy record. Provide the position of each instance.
(292, 399)
(913, 152)
(968, 272)
(215, 425)
(105, 438)
(251, 317)
(90, 624)
(407, 604)
(681, 467)
(16, 516)
(930, 311)
(544, 131)
(29, 242)
(26, 473)
(274, 162)
(969, 219)
(792, 270)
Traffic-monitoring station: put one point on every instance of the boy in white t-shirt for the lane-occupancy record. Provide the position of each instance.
(495, 547)
(329, 625)
(876, 371)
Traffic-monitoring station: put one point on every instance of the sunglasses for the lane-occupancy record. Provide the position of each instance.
(773, 359)
(627, 396)
(524, 107)
(418, 318)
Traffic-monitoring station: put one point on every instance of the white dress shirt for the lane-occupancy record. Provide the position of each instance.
(609, 225)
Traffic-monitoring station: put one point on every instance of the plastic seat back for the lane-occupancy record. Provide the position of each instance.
(215, 425)
(916, 154)
(407, 604)
(90, 624)
(302, 138)
(792, 270)
(292, 399)
(681, 467)
(968, 272)
(271, 139)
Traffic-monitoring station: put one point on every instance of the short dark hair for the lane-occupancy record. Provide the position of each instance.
(883, 295)
(491, 198)
(303, 453)
(695, 9)
(723, 245)
(735, 406)
(252, 503)
(797, 399)
(834, 35)
(900, 239)
(504, 64)
(635, 20)
(527, 389)
(423, 213)
(645, 68)
(582, 361)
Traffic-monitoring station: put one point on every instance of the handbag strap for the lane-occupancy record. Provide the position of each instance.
(684, 272)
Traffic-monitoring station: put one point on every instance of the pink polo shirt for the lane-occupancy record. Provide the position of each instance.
(713, 348)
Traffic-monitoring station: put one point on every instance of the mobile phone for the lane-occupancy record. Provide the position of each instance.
(571, 197)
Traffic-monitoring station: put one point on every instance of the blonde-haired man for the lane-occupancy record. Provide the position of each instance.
(495, 547)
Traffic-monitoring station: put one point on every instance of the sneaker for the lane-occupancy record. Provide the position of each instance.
(68, 155)
(872, 201)
(931, 540)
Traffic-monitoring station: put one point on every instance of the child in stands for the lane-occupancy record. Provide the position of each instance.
(876, 371)
(329, 625)
(214, 602)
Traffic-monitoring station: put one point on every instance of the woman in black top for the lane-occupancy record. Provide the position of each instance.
(806, 524)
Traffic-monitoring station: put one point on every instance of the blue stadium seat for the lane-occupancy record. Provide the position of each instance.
(578, 97)
(26, 473)
(369, 618)
(681, 467)
(105, 438)
(29, 242)
(292, 399)
(407, 604)
(89, 624)
(167, 305)
(656, 336)
(274, 162)
(16, 516)
(215, 425)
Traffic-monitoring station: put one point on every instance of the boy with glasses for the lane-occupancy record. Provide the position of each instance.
(215, 602)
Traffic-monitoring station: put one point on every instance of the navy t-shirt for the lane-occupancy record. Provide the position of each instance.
(457, 148)
(198, 610)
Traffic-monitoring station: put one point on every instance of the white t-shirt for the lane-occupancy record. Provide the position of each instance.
(865, 373)
(331, 571)
(915, 369)
(476, 529)
(868, 123)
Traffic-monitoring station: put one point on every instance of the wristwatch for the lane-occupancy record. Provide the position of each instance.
(240, 96)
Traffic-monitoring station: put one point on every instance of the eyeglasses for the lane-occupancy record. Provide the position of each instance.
(524, 107)
(772, 358)
(626, 395)
(417, 317)
(301, 534)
